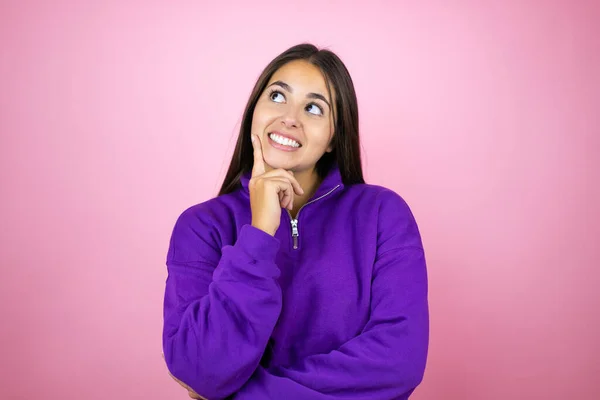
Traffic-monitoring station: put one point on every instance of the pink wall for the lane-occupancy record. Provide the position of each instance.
(114, 118)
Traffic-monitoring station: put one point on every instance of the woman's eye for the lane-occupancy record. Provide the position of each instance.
(314, 109)
(277, 97)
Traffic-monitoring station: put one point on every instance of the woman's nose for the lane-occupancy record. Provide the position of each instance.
(290, 122)
(290, 119)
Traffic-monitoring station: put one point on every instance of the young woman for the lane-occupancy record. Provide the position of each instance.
(299, 281)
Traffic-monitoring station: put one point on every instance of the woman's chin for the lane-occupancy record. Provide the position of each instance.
(276, 164)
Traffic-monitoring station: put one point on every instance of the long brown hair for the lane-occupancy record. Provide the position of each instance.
(346, 145)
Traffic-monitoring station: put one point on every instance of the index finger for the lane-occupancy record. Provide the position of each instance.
(259, 163)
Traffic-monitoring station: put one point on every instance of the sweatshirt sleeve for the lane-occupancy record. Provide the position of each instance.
(387, 359)
(220, 305)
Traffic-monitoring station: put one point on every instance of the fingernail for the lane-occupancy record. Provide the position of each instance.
(252, 138)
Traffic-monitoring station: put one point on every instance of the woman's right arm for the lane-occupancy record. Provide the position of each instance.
(220, 305)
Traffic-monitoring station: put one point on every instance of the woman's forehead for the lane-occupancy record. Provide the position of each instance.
(301, 75)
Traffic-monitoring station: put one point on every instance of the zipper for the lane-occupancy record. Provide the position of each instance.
(295, 233)
(294, 222)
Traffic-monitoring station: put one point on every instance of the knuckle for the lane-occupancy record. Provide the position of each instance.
(256, 182)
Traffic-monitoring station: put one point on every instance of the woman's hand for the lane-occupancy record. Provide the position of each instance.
(270, 192)
(191, 391)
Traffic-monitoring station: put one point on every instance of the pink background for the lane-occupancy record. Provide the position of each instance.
(114, 117)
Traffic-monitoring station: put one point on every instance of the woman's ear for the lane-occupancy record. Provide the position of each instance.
(330, 147)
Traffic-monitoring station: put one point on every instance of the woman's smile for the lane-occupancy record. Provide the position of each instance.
(281, 142)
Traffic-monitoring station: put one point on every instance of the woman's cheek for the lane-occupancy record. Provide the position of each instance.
(323, 131)
(267, 114)
(261, 117)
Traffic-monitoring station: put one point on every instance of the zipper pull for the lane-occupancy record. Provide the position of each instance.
(295, 232)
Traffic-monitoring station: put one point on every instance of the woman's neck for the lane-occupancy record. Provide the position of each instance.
(309, 181)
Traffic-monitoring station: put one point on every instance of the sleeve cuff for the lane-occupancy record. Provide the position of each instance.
(257, 244)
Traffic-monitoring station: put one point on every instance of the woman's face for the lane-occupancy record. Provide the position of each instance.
(293, 117)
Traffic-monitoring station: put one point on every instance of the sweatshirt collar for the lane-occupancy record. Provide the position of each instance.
(332, 180)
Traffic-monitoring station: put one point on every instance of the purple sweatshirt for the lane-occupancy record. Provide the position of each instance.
(334, 306)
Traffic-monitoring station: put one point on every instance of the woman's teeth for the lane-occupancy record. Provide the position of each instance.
(284, 141)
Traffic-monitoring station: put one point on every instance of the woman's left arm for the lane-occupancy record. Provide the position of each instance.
(387, 360)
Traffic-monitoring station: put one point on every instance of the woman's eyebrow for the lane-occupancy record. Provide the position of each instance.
(309, 95)
(318, 96)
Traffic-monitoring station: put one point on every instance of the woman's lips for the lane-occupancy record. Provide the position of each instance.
(284, 135)
(281, 146)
